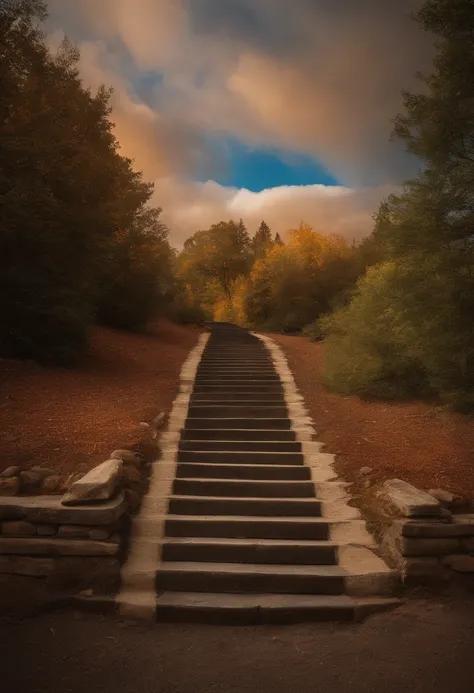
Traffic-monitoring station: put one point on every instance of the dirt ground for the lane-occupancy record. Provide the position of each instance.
(422, 647)
(419, 443)
(70, 420)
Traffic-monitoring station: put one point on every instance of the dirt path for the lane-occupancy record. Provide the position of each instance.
(420, 648)
(418, 443)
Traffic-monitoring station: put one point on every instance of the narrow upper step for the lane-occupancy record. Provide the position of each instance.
(246, 577)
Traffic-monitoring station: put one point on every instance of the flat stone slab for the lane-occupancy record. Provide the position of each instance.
(431, 530)
(49, 510)
(56, 547)
(410, 501)
(99, 484)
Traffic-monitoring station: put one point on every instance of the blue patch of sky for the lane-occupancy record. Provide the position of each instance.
(260, 168)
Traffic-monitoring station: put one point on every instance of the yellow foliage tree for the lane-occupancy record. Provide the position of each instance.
(293, 284)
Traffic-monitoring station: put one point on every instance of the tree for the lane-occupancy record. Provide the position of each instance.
(67, 197)
(278, 240)
(138, 281)
(221, 254)
(262, 241)
(294, 284)
(425, 235)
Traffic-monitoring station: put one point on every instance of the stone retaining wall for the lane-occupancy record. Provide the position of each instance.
(424, 540)
(70, 548)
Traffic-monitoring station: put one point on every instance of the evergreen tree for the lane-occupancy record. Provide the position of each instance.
(70, 204)
(278, 240)
(262, 240)
(409, 328)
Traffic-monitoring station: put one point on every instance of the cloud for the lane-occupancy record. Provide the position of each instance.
(192, 206)
(322, 77)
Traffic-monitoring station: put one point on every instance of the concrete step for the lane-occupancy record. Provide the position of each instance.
(234, 411)
(237, 372)
(235, 364)
(271, 551)
(243, 488)
(189, 470)
(236, 378)
(193, 422)
(247, 577)
(235, 434)
(261, 609)
(239, 446)
(235, 457)
(242, 359)
(246, 527)
(261, 367)
(237, 401)
(217, 387)
(219, 397)
(261, 507)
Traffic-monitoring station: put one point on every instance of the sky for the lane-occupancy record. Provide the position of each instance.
(260, 109)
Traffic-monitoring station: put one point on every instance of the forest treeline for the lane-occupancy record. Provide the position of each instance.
(80, 243)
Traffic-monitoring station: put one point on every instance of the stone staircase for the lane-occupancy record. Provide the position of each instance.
(247, 534)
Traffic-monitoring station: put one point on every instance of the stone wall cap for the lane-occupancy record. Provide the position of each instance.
(409, 500)
(49, 510)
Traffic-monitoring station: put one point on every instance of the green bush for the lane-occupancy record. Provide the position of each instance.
(404, 334)
(365, 351)
(313, 331)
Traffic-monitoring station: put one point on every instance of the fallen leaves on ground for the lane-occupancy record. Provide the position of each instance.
(71, 420)
(422, 444)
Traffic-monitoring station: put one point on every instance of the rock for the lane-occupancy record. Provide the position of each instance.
(49, 510)
(465, 519)
(428, 547)
(364, 471)
(46, 530)
(149, 429)
(19, 528)
(101, 574)
(421, 567)
(446, 498)
(409, 500)
(159, 420)
(56, 547)
(468, 546)
(100, 483)
(9, 472)
(43, 472)
(27, 566)
(9, 486)
(460, 563)
(99, 534)
(133, 500)
(30, 478)
(132, 475)
(71, 479)
(127, 456)
(74, 531)
(51, 484)
(436, 530)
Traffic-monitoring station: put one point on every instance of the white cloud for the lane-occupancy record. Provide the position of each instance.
(192, 206)
(323, 78)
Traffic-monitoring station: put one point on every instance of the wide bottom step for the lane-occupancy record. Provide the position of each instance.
(260, 609)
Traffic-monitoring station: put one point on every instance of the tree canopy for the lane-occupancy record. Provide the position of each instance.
(77, 238)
